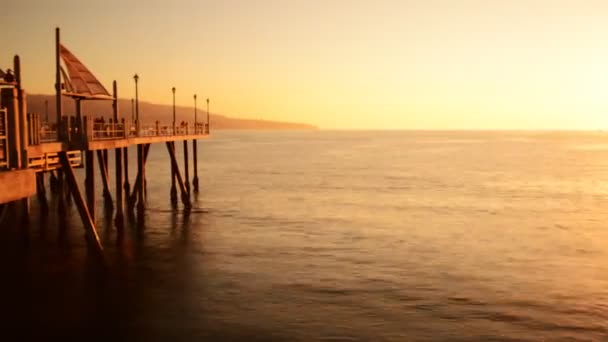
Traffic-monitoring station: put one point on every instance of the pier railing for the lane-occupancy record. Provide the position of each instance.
(47, 133)
(89, 129)
(50, 161)
(96, 130)
(108, 131)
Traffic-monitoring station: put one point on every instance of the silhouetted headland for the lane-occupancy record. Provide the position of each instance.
(151, 112)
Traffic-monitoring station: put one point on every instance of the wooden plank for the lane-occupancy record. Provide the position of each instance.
(87, 220)
(16, 185)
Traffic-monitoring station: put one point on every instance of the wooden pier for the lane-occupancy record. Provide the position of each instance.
(32, 151)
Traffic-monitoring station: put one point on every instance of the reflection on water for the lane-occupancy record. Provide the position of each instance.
(417, 236)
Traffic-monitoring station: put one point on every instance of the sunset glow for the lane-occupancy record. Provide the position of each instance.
(337, 64)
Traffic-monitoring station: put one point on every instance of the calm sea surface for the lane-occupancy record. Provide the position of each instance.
(356, 236)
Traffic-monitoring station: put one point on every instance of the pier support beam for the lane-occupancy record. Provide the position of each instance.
(60, 193)
(142, 155)
(137, 185)
(125, 151)
(173, 192)
(90, 183)
(182, 187)
(119, 188)
(103, 170)
(141, 202)
(118, 220)
(53, 183)
(41, 193)
(140, 171)
(83, 210)
(66, 191)
(195, 162)
(186, 172)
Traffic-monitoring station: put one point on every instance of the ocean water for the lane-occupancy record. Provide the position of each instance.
(338, 236)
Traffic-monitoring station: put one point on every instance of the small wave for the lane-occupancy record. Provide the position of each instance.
(466, 301)
(334, 291)
(177, 210)
(536, 323)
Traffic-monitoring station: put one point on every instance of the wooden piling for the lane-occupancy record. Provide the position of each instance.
(125, 152)
(59, 109)
(195, 166)
(173, 191)
(90, 183)
(22, 114)
(41, 193)
(106, 167)
(103, 170)
(119, 187)
(137, 186)
(66, 191)
(53, 183)
(60, 193)
(185, 197)
(118, 220)
(83, 209)
(23, 132)
(186, 172)
(141, 201)
(25, 210)
(105, 163)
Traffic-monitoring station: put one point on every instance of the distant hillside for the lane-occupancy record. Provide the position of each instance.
(150, 112)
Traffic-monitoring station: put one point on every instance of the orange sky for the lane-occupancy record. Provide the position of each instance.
(337, 64)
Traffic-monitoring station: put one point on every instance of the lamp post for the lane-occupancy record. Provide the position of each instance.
(173, 192)
(137, 125)
(132, 110)
(194, 113)
(173, 90)
(194, 151)
(208, 116)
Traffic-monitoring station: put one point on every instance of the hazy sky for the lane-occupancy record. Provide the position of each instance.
(453, 64)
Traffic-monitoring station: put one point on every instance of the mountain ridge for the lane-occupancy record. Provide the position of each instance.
(151, 112)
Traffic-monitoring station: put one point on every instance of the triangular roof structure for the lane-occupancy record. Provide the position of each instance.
(81, 82)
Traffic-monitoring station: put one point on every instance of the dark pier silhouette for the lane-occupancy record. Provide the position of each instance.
(33, 149)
